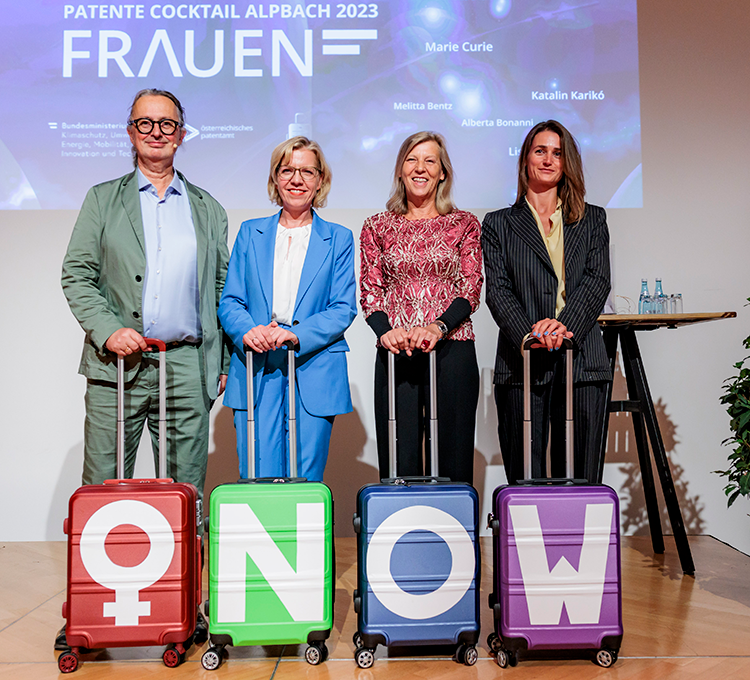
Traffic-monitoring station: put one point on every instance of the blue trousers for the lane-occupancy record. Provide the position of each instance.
(271, 428)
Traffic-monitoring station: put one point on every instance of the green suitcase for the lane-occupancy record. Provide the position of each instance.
(271, 560)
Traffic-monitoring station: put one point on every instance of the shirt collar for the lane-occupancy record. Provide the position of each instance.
(176, 186)
(557, 209)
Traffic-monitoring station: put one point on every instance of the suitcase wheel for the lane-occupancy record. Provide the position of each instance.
(505, 658)
(316, 653)
(67, 662)
(606, 657)
(212, 658)
(466, 654)
(364, 657)
(172, 657)
(357, 640)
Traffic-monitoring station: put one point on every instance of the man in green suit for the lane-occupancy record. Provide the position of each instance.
(147, 258)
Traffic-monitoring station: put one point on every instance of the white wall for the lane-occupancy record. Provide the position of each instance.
(692, 231)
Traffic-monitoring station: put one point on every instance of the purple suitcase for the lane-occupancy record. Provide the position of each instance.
(556, 559)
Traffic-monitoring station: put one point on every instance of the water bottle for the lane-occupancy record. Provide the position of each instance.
(643, 299)
(660, 300)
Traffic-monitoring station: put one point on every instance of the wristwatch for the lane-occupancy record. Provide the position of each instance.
(441, 327)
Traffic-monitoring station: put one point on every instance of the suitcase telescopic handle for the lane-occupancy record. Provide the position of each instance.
(162, 348)
(250, 453)
(567, 346)
(251, 411)
(392, 438)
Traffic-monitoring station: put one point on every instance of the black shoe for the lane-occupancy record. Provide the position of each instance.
(201, 630)
(61, 642)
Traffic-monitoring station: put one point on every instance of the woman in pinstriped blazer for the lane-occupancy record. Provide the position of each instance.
(547, 272)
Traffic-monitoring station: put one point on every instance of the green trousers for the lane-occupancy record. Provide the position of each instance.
(188, 409)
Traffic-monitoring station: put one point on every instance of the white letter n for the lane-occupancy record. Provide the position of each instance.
(241, 534)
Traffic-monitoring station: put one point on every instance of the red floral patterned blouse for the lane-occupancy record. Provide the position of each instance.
(414, 269)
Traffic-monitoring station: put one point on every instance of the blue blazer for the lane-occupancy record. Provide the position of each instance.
(325, 308)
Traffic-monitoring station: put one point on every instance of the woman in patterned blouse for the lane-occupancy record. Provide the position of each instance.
(421, 277)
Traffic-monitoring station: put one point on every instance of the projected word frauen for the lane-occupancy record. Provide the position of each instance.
(114, 46)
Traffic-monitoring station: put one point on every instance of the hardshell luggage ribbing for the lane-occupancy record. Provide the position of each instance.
(556, 558)
(271, 557)
(134, 561)
(417, 556)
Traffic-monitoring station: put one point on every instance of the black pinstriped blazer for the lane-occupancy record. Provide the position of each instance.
(521, 288)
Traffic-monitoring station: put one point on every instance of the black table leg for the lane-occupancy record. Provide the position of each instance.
(644, 461)
(611, 336)
(635, 372)
(610, 343)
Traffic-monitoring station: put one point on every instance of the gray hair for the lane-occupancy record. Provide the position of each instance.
(154, 92)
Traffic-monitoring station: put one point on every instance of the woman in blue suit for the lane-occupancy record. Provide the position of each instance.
(290, 278)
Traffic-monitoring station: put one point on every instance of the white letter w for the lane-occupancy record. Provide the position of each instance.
(546, 591)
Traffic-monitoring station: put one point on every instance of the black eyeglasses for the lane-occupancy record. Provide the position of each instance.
(308, 173)
(145, 125)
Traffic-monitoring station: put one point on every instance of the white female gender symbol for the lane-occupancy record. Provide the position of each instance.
(127, 581)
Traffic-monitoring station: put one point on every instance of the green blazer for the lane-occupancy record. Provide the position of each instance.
(105, 268)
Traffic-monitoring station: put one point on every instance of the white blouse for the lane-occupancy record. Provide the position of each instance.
(289, 258)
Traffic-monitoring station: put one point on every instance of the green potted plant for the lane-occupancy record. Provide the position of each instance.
(737, 398)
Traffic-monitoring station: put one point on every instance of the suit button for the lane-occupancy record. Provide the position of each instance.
(136, 315)
(295, 323)
(138, 278)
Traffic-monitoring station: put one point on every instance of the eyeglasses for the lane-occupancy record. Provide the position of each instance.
(308, 173)
(145, 125)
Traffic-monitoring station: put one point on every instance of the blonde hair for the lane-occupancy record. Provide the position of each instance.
(443, 199)
(282, 154)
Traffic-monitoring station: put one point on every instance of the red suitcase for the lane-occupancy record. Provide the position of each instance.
(134, 560)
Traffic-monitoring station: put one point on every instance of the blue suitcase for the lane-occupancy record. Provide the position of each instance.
(418, 556)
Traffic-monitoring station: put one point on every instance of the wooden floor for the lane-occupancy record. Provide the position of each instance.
(675, 626)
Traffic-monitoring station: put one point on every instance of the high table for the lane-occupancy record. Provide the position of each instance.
(623, 327)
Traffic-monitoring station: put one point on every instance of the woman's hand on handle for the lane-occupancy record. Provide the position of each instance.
(267, 338)
(260, 338)
(549, 333)
(395, 340)
(424, 337)
(281, 335)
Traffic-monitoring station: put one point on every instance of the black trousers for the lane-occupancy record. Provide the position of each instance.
(548, 419)
(458, 393)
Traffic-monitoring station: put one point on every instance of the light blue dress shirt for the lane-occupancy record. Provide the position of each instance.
(171, 303)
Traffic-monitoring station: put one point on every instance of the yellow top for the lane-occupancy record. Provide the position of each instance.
(555, 249)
